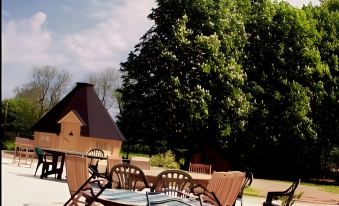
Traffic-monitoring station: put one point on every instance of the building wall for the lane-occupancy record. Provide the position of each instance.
(78, 143)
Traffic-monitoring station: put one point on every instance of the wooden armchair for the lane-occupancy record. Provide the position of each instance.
(288, 194)
(80, 183)
(141, 162)
(173, 182)
(24, 149)
(222, 190)
(127, 176)
(200, 168)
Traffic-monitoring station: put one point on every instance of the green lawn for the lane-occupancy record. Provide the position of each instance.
(326, 188)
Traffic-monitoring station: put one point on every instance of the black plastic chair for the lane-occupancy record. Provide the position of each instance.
(95, 155)
(42, 159)
(288, 194)
(247, 182)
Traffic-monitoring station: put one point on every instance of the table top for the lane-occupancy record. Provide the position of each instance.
(63, 151)
(129, 198)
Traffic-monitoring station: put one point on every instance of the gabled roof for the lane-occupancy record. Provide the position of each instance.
(85, 103)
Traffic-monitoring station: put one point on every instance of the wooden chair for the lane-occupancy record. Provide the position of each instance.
(128, 177)
(287, 194)
(112, 161)
(222, 190)
(24, 149)
(200, 168)
(247, 182)
(95, 155)
(79, 182)
(173, 182)
(141, 162)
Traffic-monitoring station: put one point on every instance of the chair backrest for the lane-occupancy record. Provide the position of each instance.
(226, 186)
(127, 176)
(76, 171)
(93, 153)
(24, 148)
(246, 183)
(173, 179)
(285, 196)
(141, 162)
(200, 168)
(290, 191)
(112, 161)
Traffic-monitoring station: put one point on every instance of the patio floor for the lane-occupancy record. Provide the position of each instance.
(19, 187)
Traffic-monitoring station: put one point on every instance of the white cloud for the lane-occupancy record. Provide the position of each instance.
(26, 41)
(111, 40)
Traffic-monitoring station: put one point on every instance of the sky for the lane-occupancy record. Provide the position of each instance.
(78, 36)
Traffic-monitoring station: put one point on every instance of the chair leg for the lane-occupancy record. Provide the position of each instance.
(39, 163)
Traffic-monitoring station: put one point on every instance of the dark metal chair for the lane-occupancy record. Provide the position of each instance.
(287, 195)
(127, 176)
(95, 155)
(42, 159)
(247, 182)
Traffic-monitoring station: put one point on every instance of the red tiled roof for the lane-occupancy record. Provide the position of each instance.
(83, 100)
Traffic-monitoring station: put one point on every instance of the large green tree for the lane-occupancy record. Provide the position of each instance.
(182, 85)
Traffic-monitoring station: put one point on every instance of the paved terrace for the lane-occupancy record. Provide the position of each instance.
(19, 187)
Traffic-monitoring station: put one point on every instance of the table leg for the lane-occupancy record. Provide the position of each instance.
(61, 166)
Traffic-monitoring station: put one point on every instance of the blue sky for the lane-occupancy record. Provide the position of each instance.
(80, 36)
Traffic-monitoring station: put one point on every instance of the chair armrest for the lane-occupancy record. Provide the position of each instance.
(274, 196)
(205, 195)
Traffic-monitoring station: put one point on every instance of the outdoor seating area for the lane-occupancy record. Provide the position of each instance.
(62, 189)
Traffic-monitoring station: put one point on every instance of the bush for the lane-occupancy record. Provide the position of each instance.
(166, 160)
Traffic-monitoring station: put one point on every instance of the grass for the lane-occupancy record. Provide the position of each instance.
(131, 154)
(9, 144)
(251, 191)
(326, 188)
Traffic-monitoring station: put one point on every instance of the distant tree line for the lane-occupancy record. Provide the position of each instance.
(258, 80)
(47, 85)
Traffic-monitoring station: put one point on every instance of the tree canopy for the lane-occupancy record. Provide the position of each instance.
(258, 80)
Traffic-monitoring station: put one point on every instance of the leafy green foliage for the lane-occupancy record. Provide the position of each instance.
(166, 160)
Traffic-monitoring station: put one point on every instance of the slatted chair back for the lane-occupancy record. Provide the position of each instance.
(226, 186)
(174, 180)
(200, 168)
(24, 149)
(80, 183)
(112, 161)
(127, 176)
(141, 162)
(76, 171)
(94, 156)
